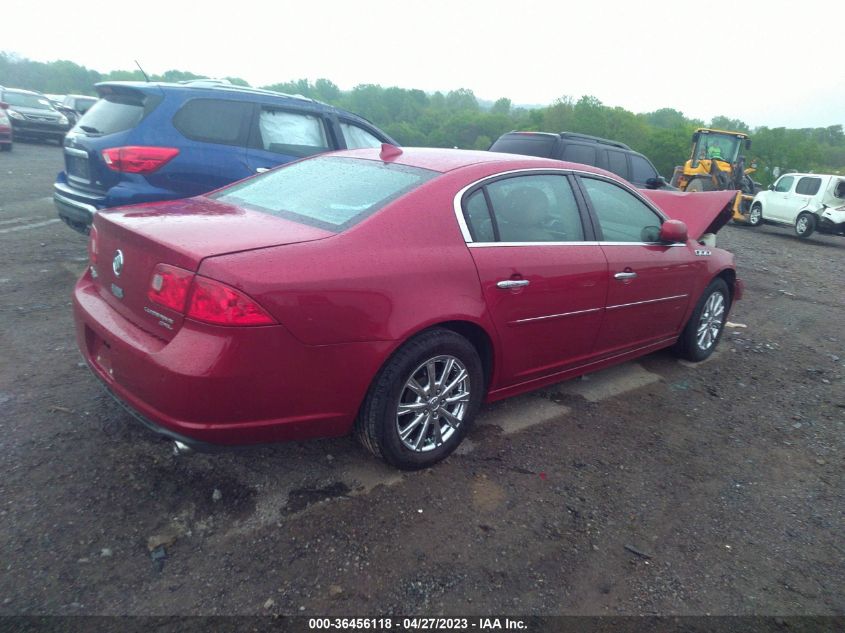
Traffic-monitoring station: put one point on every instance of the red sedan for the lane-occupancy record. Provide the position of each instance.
(389, 293)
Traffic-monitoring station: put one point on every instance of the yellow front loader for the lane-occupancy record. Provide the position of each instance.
(716, 164)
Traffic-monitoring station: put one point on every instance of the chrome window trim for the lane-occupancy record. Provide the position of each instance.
(517, 244)
(459, 213)
(81, 153)
(639, 303)
(554, 316)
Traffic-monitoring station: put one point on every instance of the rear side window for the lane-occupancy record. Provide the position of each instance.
(291, 133)
(617, 163)
(327, 192)
(528, 144)
(530, 209)
(113, 113)
(357, 137)
(577, 153)
(641, 170)
(808, 186)
(214, 121)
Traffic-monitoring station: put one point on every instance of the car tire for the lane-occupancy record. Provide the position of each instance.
(755, 216)
(706, 324)
(805, 224)
(439, 411)
(700, 184)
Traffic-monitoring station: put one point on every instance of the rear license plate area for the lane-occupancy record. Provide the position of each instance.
(77, 166)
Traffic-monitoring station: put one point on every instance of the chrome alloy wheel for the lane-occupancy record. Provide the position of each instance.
(802, 224)
(710, 322)
(755, 216)
(433, 403)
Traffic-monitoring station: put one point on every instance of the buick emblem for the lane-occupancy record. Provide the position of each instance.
(117, 262)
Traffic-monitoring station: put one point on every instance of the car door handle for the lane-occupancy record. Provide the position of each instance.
(261, 170)
(506, 284)
(625, 275)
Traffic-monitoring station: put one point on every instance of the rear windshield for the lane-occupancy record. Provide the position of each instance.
(332, 193)
(113, 113)
(529, 144)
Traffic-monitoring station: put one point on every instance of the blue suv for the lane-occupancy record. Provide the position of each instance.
(145, 142)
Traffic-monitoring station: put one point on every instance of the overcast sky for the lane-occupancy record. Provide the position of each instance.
(767, 63)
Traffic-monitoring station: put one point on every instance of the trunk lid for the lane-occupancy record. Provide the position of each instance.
(180, 233)
(702, 211)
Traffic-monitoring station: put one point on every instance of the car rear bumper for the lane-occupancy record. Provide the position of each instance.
(77, 206)
(224, 385)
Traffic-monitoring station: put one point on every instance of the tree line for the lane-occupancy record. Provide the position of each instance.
(457, 118)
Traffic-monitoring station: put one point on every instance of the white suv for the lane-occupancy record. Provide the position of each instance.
(808, 202)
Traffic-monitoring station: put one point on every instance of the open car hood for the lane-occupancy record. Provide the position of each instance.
(702, 211)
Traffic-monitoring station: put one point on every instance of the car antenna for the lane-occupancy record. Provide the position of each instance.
(142, 71)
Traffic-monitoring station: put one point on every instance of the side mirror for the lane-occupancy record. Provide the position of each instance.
(655, 183)
(748, 143)
(771, 187)
(673, 231)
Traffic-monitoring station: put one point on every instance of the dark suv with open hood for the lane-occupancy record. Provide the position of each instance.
(146, 142)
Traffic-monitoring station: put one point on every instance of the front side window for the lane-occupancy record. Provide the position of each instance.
(784, 184)
(622, 216)
(327, 192)
(292, 133)
(357, 137)
(641, 170)
(536, 208)
(808, 186)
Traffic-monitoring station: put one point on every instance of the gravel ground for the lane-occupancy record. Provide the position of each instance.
(654, 488)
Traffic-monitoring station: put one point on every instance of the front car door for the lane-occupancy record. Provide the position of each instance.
(543, 276)
(649, 282)
(777, 205)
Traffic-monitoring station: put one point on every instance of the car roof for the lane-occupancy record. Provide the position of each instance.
(574, 136)
(29, 92)
(443, 160)
(795, 173)
(208, 84)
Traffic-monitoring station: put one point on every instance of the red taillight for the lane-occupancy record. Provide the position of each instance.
(214, 302)
(92, 245)
(210, 301)
(138, 160)
(169, 287)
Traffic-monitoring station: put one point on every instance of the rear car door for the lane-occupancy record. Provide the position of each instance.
(214, 153)
(543, 278)
(281, 135)
(648, 282)
(805, 189)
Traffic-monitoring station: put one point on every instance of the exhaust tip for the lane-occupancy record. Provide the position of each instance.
(180, 448)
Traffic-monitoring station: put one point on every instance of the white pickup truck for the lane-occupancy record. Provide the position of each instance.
(808, 202)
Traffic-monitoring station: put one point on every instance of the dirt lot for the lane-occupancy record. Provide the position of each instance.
(656, 487)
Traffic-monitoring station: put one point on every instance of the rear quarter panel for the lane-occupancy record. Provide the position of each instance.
(399, 271)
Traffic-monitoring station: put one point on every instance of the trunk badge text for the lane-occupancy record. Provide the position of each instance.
(163, 321)
(117, 263)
